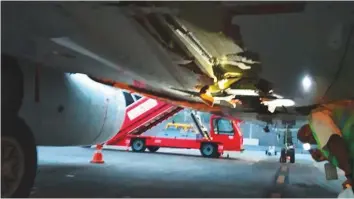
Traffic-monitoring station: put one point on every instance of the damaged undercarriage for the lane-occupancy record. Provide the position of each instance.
(208, 44)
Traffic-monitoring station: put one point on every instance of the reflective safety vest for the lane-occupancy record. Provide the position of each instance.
(342, 115)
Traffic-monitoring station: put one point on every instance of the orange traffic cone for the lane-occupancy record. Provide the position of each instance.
(98, 156)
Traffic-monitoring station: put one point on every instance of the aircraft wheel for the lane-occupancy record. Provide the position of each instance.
(138, 145)
(292, 155)
(282, 158)
(18, 159)
(153, 148)
(209, 150)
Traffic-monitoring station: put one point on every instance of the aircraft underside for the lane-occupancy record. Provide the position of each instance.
(62, 63)
(232, 57)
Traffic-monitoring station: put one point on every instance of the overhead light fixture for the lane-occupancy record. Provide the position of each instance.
(306, 146)
(306, 83)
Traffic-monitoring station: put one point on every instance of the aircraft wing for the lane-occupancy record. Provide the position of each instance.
(223, 108)
(231, 57)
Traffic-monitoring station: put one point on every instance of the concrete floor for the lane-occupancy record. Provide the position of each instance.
(66, 172)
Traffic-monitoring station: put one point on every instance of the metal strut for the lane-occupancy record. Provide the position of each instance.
(199, 126)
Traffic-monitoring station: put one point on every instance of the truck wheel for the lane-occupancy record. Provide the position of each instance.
(209, 150)
(18, 159)
(282, 158)
(153, 148)
(292, 156)
(138, 145)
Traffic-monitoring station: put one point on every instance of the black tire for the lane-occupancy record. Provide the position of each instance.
(292, 155)
(138, 145)
(209, 150)
(266, 152)
(282, 158)
(16, 132)
(153, 149)
(275, 153)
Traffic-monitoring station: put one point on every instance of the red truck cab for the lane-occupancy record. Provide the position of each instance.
(227, 132)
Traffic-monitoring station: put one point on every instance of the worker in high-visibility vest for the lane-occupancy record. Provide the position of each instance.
(331, 128)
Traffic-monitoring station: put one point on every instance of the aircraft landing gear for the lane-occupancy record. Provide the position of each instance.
(18, 160)
(287, 153)
(18, 147)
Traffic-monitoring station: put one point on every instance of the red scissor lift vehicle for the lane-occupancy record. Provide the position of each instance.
(144, 113)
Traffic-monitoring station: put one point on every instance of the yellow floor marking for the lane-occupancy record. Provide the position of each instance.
(275, 195)
(281, 179)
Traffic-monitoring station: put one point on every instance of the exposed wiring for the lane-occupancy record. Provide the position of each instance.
(341, 62)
